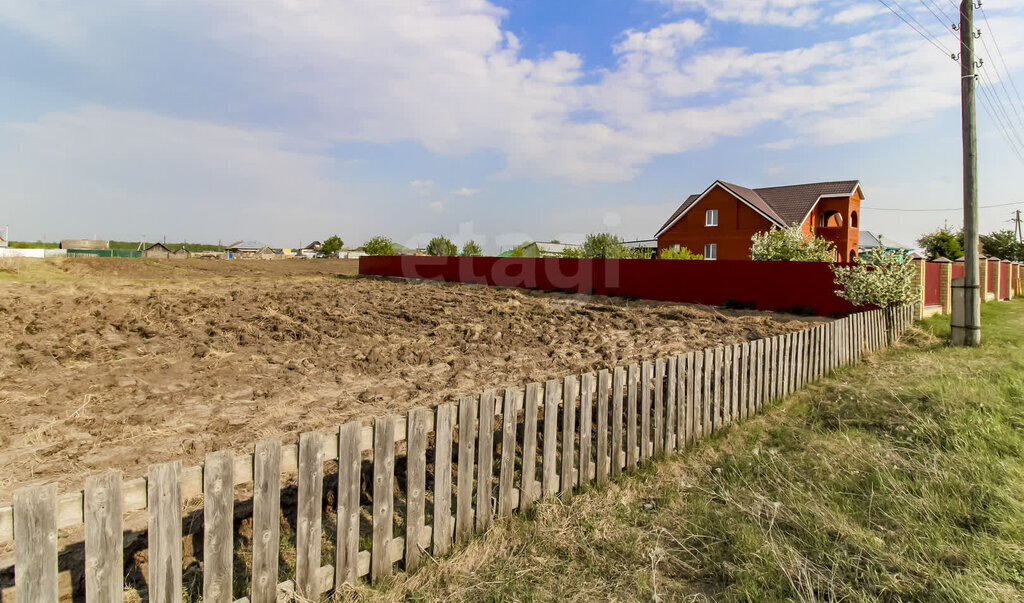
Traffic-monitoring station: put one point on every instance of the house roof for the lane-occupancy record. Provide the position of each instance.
(782, 205)
(547, 247)
(157, 246)
(793, 203)
(870, 240)
(246, 245)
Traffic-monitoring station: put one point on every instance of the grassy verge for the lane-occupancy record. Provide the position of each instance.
(899, 479)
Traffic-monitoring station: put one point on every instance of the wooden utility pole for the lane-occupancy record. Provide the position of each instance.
(967, 330)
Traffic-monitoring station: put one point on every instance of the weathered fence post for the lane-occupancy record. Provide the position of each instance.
(35, 543)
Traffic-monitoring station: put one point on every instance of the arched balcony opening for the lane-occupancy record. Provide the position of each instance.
(854, 223)
(831, 219)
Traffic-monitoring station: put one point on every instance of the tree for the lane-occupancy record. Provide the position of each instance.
(572, 252)
(379, 246)
(471, 250)
(332, 245)
(878, 277)
(790, 244)
(679, 254)
(607, 246)
(519, 251)
(440, 246)
(1003, 244)
(943, 243)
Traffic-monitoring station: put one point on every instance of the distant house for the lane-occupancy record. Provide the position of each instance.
(249, 249)
(84, 244)
(720, 222)
(869, 240)
(156, 251)
(541, 249)
(181, 253)
(648, 247)
(351, 254)
(309, 251)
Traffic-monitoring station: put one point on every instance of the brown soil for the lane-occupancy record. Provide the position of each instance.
(121, 363)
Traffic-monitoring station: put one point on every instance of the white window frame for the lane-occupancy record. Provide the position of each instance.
(677, 247)
(711, 217)
(711, 251)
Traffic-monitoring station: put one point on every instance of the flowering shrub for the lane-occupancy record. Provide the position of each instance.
(878, 277)
(679, 254)
(792, 245)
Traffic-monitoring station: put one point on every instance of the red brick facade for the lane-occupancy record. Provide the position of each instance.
(818, 208)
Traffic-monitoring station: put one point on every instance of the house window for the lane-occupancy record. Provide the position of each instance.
(711, 217)
(676, 247)
(711, 251)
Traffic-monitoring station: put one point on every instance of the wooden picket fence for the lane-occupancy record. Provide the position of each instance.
(465, 464)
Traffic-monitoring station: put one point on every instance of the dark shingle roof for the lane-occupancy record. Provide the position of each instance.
(794, 202)
(783, 204)
(754, 198)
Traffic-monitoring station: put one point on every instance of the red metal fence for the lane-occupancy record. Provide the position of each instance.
(932, 284)
(1004, 280)
(993, 266)
(788, 286)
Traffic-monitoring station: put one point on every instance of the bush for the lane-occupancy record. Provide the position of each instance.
(572, 252)
(332, 245)
(440, 246)
(790, 244)
(471, 250)
(943, 243)
(878, 277)
(679, 254)
(608, 246)
(379, 246)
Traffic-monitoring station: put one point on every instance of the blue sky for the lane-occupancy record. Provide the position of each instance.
(499, 120)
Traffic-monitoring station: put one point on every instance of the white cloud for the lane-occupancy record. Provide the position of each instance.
(665, 39)
(421, 188)
(97, 169)
(792, 13)
(857, 13)
(446, 75)
(467, 192)
(781, 145)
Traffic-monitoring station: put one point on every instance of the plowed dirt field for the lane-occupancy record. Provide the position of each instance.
(108, 363)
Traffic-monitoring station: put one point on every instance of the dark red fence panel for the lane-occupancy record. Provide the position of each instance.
(1004, 280)
(992, 276)
(786, 286)
(932, 288)
(958, 270)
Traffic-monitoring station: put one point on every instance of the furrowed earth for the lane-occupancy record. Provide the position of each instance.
(116, 364)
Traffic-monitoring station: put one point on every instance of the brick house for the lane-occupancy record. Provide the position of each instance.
(720, 221)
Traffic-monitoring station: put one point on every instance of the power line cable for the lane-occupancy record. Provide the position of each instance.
(988, 100)
(934, 14)
(999, 52)
(939, 209)
(1002, 82)
(1008, 123)
(1011, 136)
(931, 39)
